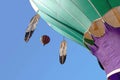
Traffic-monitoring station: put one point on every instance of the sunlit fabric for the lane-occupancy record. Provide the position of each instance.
(106, 48)
(72, 18)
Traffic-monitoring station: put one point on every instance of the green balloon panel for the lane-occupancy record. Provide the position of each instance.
(72, 18)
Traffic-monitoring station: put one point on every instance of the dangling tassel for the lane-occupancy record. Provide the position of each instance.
(45, 39)
(31, 27)
(63, 48)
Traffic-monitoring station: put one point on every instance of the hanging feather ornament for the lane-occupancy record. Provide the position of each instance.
(63, 48)
(31, 27)
(45, 39)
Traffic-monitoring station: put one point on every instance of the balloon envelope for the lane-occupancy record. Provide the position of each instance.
(72, 18)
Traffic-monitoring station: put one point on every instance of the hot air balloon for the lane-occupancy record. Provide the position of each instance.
(63, 48)
(93, 23)
(45, 39)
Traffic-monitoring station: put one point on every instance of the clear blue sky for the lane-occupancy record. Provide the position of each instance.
(32, 61)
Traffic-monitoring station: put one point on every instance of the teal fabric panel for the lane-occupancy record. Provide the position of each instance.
(114, 3)
(72, 18)
(63, 29)
(102, 6)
